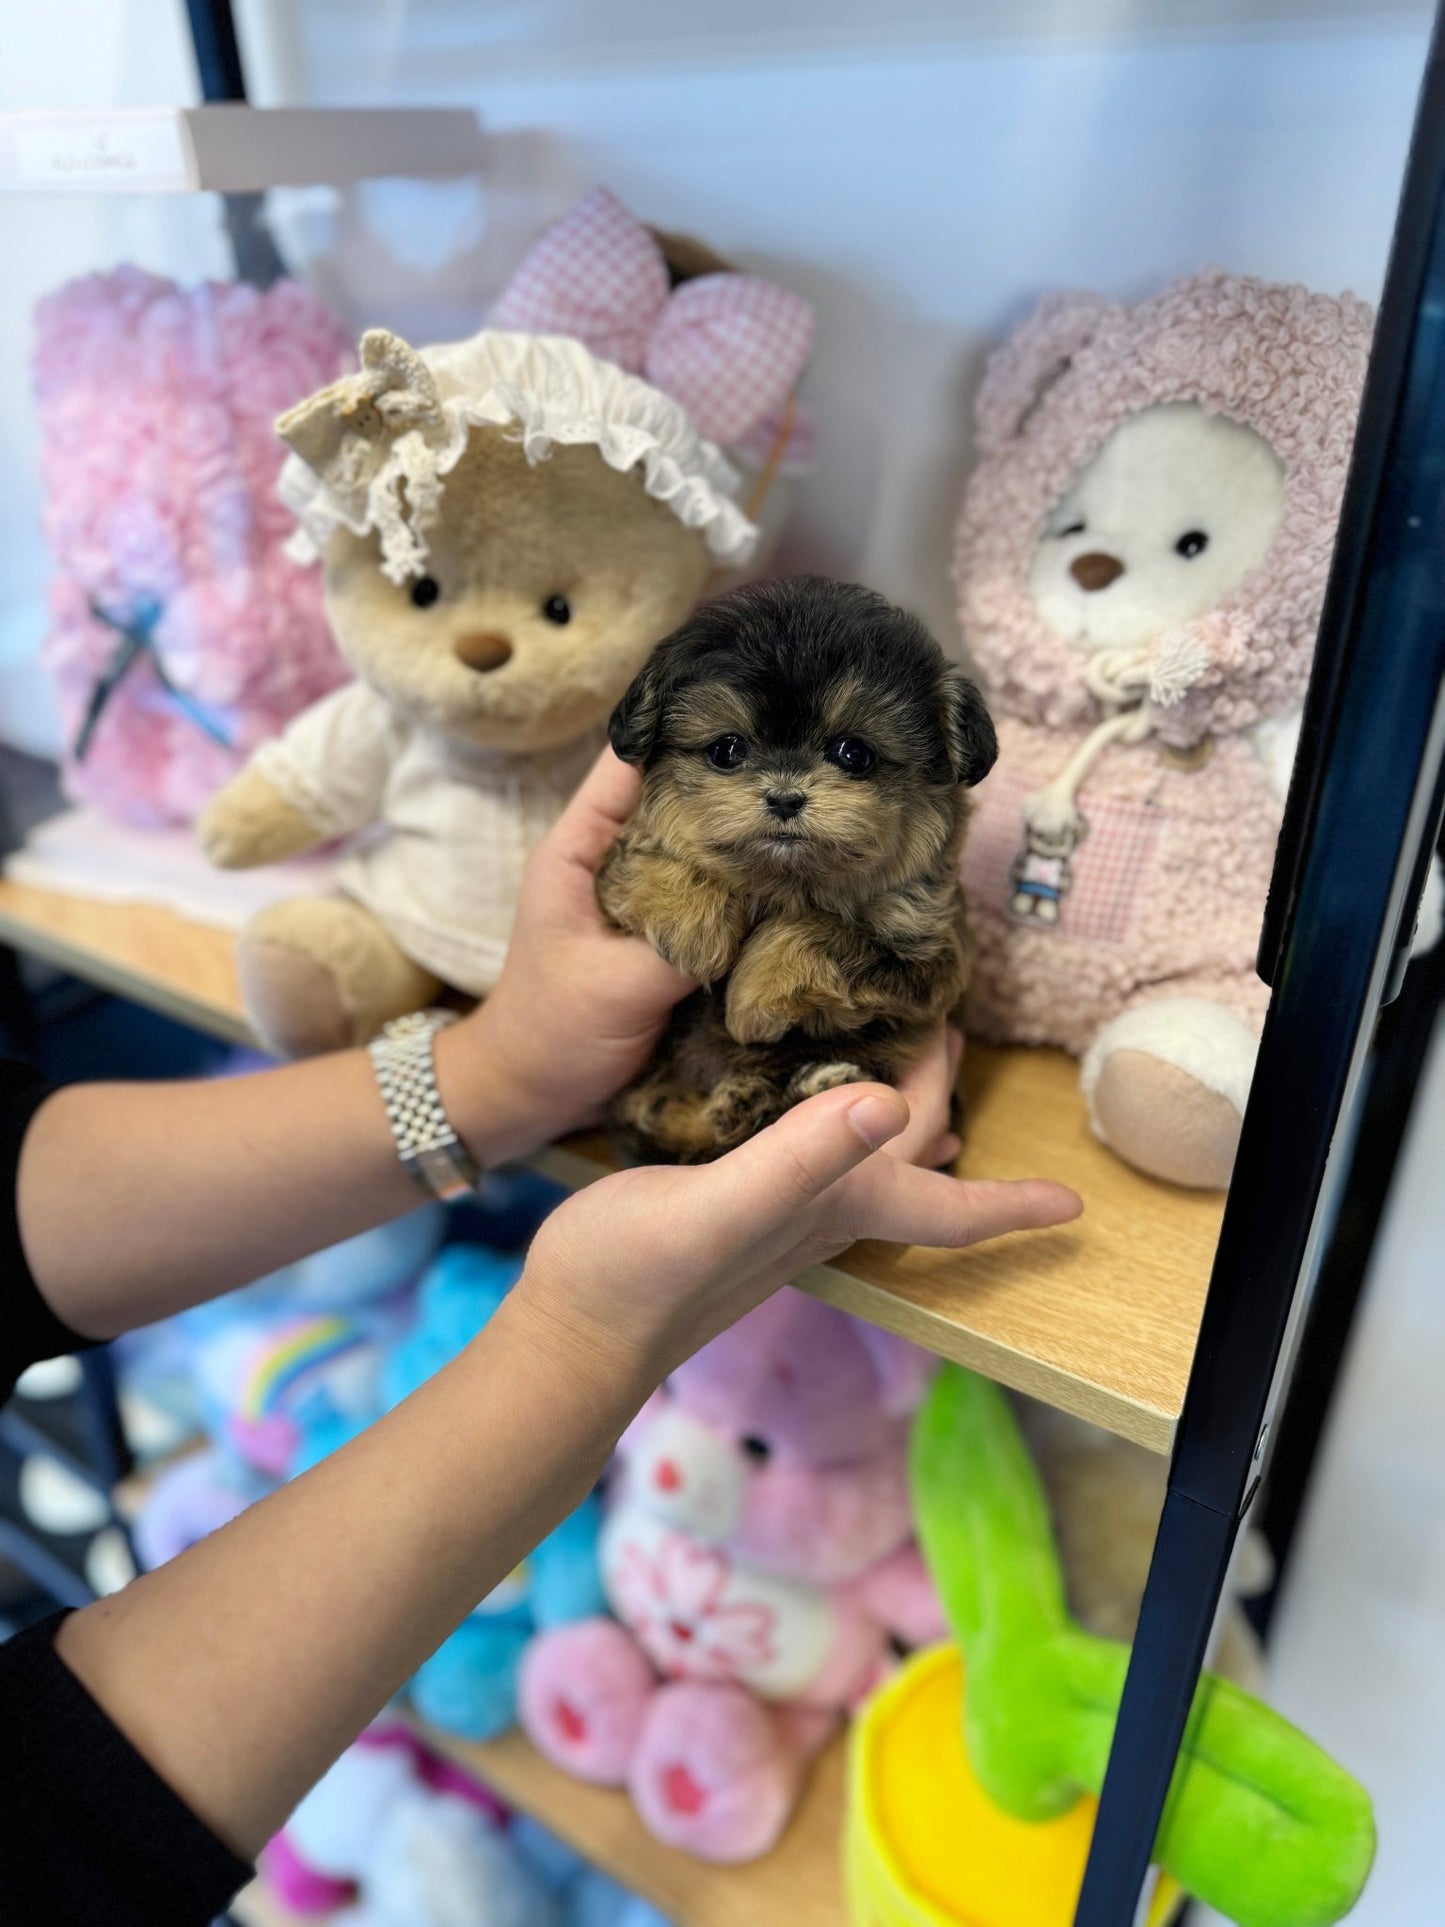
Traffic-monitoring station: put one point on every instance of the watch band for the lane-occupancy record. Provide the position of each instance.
(406, 1072)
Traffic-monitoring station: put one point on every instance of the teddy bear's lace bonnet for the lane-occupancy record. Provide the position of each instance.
(373, 451)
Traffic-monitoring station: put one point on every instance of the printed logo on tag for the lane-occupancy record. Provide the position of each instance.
(113, 150)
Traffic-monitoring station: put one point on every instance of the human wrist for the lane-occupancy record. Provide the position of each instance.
(611, 1369)
(486, 1100)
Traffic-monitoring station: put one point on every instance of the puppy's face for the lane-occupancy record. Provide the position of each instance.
(803, 730)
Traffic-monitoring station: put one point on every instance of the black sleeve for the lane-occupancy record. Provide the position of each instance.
(29, 1329)
(90, 1835)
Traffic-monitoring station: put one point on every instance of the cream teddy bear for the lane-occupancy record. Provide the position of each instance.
(1141, 564)
(508, 524)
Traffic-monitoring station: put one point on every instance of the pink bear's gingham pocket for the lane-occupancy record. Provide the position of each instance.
(1113, 866)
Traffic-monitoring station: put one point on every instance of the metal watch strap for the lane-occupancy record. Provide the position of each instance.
(425, 1141)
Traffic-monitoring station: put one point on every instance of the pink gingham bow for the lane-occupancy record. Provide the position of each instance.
(728, 347)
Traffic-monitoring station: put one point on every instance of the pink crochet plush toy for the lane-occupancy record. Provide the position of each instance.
(758, 1553)
(181, 635)
(1141, 563)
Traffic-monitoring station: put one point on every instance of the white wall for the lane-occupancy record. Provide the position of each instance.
(921, 189)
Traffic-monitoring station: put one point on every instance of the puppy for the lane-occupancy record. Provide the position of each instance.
(795, 850)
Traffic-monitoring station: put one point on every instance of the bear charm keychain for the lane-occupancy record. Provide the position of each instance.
(1042, 874)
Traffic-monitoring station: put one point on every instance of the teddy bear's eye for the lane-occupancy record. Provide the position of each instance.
(728, 752)
(424, 591)
(557, 609)
(1074, 528)
(756, 1449)
(1193, 542)
(852, 755)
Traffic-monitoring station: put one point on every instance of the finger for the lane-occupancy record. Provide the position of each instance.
(903, 1205)
(943, 1150)
(767, 1180)
(588, 827)
(927, 1088)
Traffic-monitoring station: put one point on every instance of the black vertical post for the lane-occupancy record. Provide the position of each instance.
(218, 63)
(1363, 809)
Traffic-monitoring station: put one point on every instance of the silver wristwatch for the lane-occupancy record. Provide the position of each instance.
(425, 1141)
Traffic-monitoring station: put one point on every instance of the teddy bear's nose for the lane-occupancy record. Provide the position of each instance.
(484, 649)
(666, 1476)
(1095, 570)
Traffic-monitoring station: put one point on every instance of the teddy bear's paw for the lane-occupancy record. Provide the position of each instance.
(583, 1698)
(813, 1078)
(250, 822)
(1166, 1084)
(714, 1774)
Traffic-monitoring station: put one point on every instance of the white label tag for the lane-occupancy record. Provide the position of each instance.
(140, 151)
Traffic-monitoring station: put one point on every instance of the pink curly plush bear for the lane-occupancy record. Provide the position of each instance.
(758, 1553)
(1141, 564)
(160, 459)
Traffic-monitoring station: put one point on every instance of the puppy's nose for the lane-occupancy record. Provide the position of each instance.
(1095, 570)
(785, 804)
(483, 649)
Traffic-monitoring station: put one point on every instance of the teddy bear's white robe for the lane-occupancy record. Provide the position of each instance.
(453, 826)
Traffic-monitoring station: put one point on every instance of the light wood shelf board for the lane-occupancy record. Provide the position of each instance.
(152, 956)
(1098, 1318)
(799, 1884)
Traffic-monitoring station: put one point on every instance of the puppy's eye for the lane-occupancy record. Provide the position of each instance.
(852, 755)
(557, 609)
(1193, 542)
(728, 752)
(756, 1449)
(1074, 528)
(425, 590)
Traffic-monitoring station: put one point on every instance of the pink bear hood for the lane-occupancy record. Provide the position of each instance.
(1281, 360)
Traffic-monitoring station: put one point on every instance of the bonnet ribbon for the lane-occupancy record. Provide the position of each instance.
(136, 638)
(729, 348)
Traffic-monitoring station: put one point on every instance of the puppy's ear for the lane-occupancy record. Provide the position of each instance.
(968, 730)
(633, 729)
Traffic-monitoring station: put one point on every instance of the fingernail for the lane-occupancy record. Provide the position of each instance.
(875, 1119)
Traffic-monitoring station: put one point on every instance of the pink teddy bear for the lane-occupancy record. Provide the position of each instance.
(758, 1552)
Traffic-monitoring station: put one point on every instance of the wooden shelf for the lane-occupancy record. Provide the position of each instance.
(153, 957)
(1098, 1318)
(799, 1884)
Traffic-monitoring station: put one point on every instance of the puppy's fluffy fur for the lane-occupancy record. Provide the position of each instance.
(795, 850)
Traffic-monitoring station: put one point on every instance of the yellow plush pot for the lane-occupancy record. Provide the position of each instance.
(923, 1844)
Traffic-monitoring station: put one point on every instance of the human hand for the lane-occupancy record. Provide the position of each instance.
(578, 1006)
(635, 1273)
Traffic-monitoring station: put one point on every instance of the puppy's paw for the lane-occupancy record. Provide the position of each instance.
(702, 947)
(813, 1078)
(749, 1020)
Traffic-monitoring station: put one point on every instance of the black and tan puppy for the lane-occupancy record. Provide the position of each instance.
(795, 850)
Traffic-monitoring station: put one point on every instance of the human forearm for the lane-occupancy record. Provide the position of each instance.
(245, 1666)
(136, 1200)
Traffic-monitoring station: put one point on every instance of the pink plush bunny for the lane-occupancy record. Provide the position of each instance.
(758, 1553)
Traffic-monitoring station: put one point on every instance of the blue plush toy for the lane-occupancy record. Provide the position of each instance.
(469, 1685)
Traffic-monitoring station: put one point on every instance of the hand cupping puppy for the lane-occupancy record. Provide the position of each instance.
(642, 1268)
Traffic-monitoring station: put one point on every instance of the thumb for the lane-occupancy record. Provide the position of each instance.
(792, 1162)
